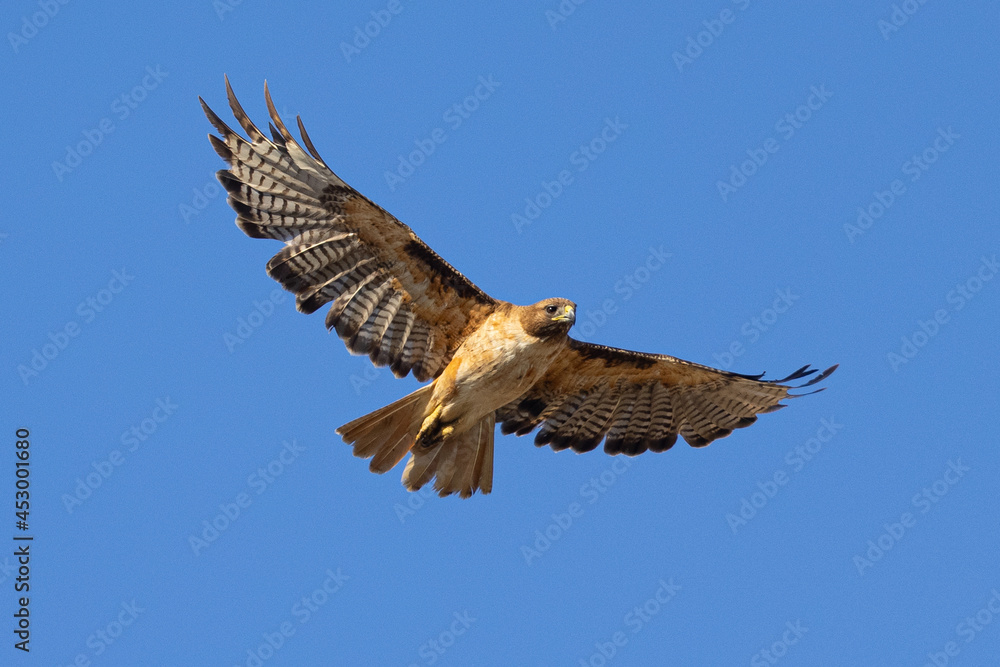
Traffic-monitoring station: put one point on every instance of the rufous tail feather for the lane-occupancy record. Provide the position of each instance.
(461, 463)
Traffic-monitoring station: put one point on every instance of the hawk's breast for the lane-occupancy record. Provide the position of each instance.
(496, 364)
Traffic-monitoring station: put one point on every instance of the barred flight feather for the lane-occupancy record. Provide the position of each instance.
(592, 431)
(652, 399)
(369, 336)
(310, 258)
(347, 273)
(386, 286)
(620, 420)
(570, 431)
(391, 350)
(354, 305)
(640, 423)
(416, 345)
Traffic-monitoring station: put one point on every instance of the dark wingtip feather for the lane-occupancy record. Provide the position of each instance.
(560, 442)
(331, 318)
(613, 447)
(399, 368)
(275, 118)
(214, 119)
(241, 116)
(251, 229)
(822, 376)
(221, 148)
(661, 444)
(242, 210)
(544, 437)
(277, 260)
(379, 357)
(634, 447)
(231, 184)
(419, 373)
(361, 343)
(276, 136)
(696, 440)
(308, 142)
(801, 373)
(819, 378)
(278, 268)
(310, 304)
(588, 445)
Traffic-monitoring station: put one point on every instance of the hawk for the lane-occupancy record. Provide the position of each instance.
(393, 298)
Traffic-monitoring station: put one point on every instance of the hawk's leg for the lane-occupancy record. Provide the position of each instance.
(432, 430)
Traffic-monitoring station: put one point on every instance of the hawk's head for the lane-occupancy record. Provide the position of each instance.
(548, 318)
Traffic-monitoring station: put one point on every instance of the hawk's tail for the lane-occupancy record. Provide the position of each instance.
(388, 433)
(462, 463)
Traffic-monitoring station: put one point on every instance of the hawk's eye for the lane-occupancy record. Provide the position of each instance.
(551, 310)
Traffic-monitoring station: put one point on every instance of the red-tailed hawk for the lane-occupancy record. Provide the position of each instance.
(396, 300)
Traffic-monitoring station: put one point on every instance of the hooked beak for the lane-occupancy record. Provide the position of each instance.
(568, 315)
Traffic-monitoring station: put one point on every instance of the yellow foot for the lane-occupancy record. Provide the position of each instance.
(428, 426)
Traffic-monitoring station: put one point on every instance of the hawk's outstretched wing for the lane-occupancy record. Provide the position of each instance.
(393, 297)
(639, 401)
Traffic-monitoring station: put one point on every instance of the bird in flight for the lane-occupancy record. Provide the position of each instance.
(393, 298)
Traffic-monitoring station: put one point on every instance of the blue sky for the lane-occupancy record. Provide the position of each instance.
(744, 184)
